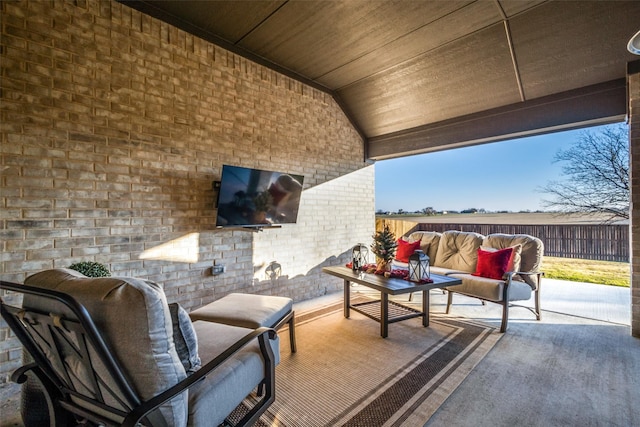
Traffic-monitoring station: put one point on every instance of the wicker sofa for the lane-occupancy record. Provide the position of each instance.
(456, 254)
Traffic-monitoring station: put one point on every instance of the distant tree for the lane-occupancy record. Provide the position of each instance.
(597, 171)
(429, 211)
(400, 211)
(469, 211)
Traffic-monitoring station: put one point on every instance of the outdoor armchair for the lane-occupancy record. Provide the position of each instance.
(104, 350)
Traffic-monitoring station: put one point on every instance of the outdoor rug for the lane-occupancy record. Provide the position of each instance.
(346, 374)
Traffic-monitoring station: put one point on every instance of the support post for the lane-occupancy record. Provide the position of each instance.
(633, 94)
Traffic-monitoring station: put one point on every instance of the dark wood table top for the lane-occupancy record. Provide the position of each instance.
(388, 285)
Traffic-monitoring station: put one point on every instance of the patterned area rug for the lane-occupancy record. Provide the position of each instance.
(345, 374)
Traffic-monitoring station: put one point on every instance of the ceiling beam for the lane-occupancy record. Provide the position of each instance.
(588, 106)
(507, 31)
(516, 70)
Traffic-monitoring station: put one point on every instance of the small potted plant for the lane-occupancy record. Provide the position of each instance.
(91, 269)
(384, 247)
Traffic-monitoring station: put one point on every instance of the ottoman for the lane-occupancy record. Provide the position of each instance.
(250, 311)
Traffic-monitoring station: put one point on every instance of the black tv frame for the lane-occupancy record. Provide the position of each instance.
(287, 193)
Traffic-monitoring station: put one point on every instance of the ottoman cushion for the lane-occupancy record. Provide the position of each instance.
(245, 310)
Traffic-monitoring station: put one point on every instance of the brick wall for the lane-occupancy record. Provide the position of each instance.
(634, 140)
(114, 126)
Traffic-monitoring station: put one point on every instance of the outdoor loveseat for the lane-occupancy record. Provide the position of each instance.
(479, 261)
(112, 351)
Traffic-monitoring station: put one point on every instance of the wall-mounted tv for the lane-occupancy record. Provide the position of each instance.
(257, 198)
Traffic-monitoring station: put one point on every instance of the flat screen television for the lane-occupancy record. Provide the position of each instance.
(257, 198)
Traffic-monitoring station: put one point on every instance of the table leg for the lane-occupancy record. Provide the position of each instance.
(384, 315)
(425, 308)
(347, 303)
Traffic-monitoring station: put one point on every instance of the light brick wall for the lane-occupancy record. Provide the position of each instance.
(634, 140)
(114, 126)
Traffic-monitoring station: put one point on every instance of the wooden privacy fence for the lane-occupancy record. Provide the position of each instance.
(598, 242)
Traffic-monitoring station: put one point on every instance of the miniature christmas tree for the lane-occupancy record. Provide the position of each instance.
(384, 246)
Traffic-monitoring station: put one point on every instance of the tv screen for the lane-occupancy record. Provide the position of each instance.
(252, 197)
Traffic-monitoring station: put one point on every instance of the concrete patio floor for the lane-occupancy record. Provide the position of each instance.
(591, 301)
(601, 302)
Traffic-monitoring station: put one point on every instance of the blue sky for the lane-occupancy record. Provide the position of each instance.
(497, 176)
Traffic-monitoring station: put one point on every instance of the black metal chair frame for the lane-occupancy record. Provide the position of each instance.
(57, 334)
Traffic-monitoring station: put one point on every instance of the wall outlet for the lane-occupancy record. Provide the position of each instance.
(218, 269)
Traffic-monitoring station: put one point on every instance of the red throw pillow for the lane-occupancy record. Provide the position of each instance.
(405, 249)
(493, 265)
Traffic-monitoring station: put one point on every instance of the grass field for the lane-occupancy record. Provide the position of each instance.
(583, 270)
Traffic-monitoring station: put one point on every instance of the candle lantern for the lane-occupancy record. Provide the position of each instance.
(418, 266)
(359, 256)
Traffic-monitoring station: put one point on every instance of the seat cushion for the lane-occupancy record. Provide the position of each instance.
(212, 399)
(434, 269)
(490, 289)
(245, 310)
(134, 320)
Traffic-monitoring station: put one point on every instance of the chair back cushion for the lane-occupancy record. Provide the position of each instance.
(133, 317)
(530, 255)
(429, 241)
(458, 250)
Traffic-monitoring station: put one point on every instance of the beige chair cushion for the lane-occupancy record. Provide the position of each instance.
(245, 310)
(490, 289)
(429, 241)
(458, 250)
(133, 316)
(220, 392)
(434, 269)
(530, 256)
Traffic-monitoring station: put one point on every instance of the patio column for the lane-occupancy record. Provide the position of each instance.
(633, 82)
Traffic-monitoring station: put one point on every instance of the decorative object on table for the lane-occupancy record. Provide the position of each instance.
(384, 247)
(359, 256)
(91, 269)
(418, 266)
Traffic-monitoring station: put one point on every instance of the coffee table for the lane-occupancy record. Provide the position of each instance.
(383, 310)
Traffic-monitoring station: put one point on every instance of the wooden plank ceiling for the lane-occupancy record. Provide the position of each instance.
(418, 75)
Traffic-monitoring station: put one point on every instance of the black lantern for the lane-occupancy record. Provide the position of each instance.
(359, 256)
(418, 266)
